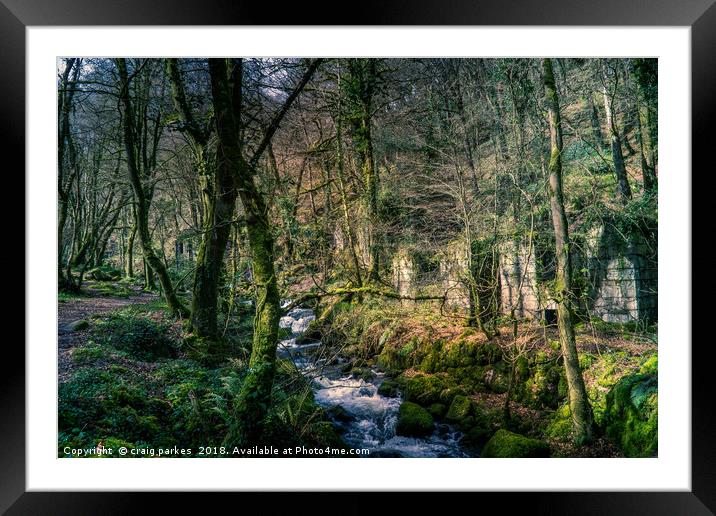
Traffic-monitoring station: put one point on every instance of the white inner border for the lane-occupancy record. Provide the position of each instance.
(670, 471)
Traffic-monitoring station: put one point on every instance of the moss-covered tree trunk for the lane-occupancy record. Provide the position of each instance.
(623, 189)
(578, 400)
(254, 399)
(255, 396)
(361, 90)
(219, 199)
(67, 165)
(140, 196)
(129, 263)
(345, 210)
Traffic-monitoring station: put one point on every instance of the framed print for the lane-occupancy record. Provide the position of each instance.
(435, 250)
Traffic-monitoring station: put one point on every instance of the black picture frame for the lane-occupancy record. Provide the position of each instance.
(700, 15)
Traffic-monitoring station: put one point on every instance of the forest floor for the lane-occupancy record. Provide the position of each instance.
(95, 328)
(128, 377)
(94, 302)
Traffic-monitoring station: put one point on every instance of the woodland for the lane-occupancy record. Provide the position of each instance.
(410, 257)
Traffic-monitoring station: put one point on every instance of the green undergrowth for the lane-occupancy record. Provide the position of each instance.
(134, 385)
(110, 289)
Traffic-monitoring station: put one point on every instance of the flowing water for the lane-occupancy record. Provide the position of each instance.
(365, 418)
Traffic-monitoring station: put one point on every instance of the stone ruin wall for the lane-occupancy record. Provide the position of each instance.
(621, 276)
(518, 282)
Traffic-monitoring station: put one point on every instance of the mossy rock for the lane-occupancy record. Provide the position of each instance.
(414, 420)
(496, 379)
(487, 353)
(437, 410)
(389, 388)
(391, 361)
(79, 325)
(477, 434)
(363, 373)
(313, 333)
(426, 390)
(460, 409)
(631, 416)
(543, 388)
(560, 424)
(505, 444)
(104, 273)
(340, 414)
(323, 434)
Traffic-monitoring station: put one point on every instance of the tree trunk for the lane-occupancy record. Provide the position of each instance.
(255, 396)
(347, 228)
(150, 256)
(129, 264)
(67, 165)
(623, 189)
(361, 86)
(254, 400)
(596, 124)
(578, 401)
(218, 199)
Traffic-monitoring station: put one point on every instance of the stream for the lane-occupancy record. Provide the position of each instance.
(364, 418)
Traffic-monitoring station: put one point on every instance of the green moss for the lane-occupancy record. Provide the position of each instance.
(388, 388)
(364, 373)
(631, 417)
(64, 296)
(560, 424)
(140, 337)
(650, 365)
(80, 325)
(460, 408)
(538, 385)
(429, 389)
(86, 354)
(413, 420)
(506, 444)
(437, 410)
(105, 273)
(112, 289)
(477, 435)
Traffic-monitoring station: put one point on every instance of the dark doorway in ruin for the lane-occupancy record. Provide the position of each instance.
(549, 316)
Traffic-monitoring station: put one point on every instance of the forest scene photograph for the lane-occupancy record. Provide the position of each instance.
(357, 257)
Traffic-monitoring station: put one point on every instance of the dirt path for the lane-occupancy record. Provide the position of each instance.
(79, 309)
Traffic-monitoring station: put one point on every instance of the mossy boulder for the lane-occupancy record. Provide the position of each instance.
(478, 434)
(313, 333)
(429, 389)
(505, 444)
(560, 424)
(414, 420)
(389, 388)
(323, 434)
(631, 416)
(496, 378)
(79, 325)
(539, 382)
(340, 414)
(437, 410)
(460, 408)
(364, 373)
(104, 273)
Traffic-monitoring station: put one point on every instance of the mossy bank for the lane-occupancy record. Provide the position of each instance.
(460, 377)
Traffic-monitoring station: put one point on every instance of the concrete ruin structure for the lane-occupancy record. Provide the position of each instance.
(615, 277)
